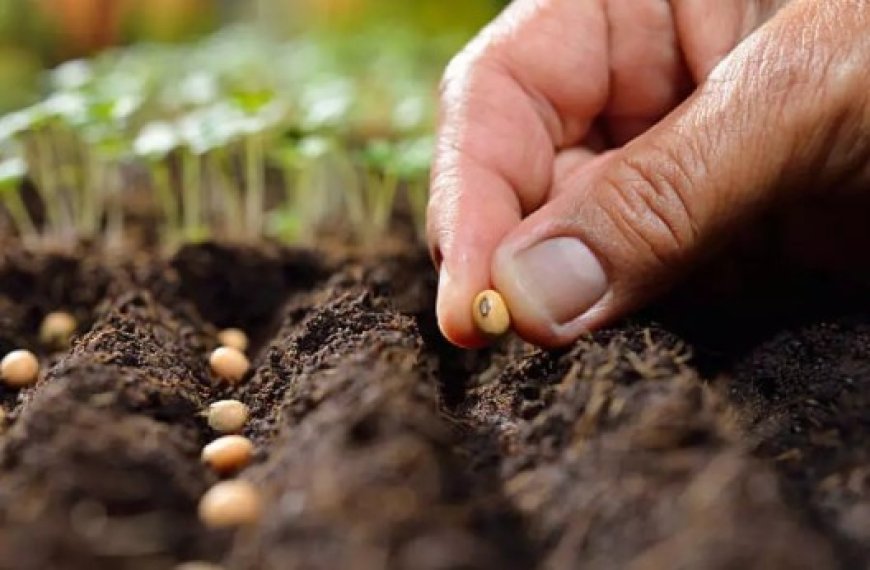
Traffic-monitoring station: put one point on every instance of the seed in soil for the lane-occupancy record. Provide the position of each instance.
(198, 566)
(56, 329)
(229, 363)
(19, 368)
(234, 338)
(230, 503)
(227, 416)
(490, 313)
(228, 453)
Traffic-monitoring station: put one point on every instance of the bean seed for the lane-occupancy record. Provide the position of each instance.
(234, 338)
(490, 313)
(229, 363)
(228, 453)
(230, 503)
(197, 565)
(19, 368)
(56, 329)
(227, 416)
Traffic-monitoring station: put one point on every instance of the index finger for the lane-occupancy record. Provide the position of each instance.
(530, 84)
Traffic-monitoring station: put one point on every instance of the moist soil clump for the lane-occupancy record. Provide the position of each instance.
(378, 445)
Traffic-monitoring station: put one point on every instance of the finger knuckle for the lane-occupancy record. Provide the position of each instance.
(648, 200)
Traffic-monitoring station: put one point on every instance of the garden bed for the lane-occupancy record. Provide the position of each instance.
(379, 445)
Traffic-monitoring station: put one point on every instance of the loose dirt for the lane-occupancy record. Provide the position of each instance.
(659, 443)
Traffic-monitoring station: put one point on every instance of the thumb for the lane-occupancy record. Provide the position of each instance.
(777, 117)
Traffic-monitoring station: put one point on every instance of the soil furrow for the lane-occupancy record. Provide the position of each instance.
(361, 470)
(381, 446)
(618, 456)
(101, 468)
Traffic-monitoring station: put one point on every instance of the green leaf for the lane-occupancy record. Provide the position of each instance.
(12, 172)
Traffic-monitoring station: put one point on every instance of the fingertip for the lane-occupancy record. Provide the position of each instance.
(453, 310)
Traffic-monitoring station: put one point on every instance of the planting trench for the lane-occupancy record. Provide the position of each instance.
(380, 446)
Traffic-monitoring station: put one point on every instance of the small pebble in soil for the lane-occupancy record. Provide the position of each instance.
(19, 368)
(198, 566)
(227, 416)
(228, 453)
(233, 338)
(229, 363)
(230, 503)
(56, 329)
(490, 313)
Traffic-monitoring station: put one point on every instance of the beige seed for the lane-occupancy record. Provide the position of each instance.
(56, 329)
(227, 416)
(234, 338)
(19, 368)
(490, 313)
(230, 503)
(228, 453)
(229, 363)
(198, 565)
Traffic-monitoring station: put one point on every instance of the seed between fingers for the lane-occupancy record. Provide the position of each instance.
(490, 313)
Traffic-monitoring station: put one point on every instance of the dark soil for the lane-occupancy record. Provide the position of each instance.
(678, 445)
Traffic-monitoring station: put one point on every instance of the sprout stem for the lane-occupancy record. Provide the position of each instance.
(231, 199)
(47, 182)
(352, 190)
(20, 216)
(115, 214)
(254, 174)
(89, 216)
(417, 198)
(163, 188)
(191, 196)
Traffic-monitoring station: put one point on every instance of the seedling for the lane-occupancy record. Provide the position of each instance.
(490, 313)
(12, 173)
(19, 368)
(340, 115)
(229, 363)
(233, 338)
(56, 330)
(228, 453)
(155, 142)
(230, 504)
(227, 416)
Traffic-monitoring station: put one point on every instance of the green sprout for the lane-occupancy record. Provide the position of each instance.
(155, 142)
(12, 173)
(341, 117)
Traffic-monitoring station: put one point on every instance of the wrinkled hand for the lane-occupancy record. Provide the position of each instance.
(590, 152)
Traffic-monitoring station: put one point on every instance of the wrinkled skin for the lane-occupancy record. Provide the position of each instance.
(649, 133)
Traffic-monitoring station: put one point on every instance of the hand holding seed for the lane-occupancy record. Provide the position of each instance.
(590, 154)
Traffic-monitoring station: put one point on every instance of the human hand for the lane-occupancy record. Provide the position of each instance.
(589, 153)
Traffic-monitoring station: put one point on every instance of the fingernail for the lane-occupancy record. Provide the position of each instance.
(558, 279)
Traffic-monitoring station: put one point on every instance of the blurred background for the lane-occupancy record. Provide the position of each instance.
(36, 34)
